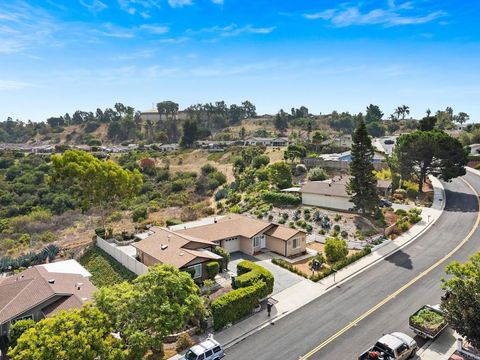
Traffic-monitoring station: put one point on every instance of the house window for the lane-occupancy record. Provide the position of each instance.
(198, 270)
(295, 243)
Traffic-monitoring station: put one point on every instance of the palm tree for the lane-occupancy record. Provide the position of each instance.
(398, 111)
(405, 110)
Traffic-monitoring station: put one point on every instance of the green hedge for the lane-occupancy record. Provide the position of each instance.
(212, 269)
(236, 304)
(253, 283)
(279, 198)
(249, 273)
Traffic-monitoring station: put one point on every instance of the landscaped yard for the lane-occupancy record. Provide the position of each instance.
(105, 270)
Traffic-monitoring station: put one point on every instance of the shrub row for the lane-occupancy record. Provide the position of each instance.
(249, 273)
(252, 284)
(278, 198)
(236, 304)
(30, 259)
(212, 269)
(326, 271)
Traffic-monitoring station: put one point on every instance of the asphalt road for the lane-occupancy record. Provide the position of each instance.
(305, 329)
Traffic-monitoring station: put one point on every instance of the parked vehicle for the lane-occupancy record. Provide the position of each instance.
(389, 142)
(428, 321)
(209, 349)
(385, 203)
(394, 346)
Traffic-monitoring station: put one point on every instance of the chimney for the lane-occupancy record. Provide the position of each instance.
(78, 285)
(51, 281)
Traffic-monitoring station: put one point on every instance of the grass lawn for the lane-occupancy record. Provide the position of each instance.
(105, 269)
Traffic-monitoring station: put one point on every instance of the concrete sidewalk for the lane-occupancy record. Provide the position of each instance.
(305, 291)
(441, 348)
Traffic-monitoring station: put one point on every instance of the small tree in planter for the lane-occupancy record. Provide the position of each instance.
(212, 269)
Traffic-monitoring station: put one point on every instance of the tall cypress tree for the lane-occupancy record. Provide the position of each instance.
(363, 184)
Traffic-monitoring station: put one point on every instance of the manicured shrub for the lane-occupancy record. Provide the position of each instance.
(400, 212)
(281, 221)
(336, 228)
(344, 234)
(249, 273)
(278, 198)
(236, 304)
(212, 269)
(100, 231)
(335, 249)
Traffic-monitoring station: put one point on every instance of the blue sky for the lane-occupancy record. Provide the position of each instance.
(60, 56)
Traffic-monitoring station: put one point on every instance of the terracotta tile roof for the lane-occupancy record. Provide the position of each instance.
(36, 286)
(174, 248)
(231, 225)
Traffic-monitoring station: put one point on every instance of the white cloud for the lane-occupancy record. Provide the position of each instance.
(235, 30)
(111, 30)
(6, 85)
(94, 6)
(155, 29)
(141, 7)
(180, 3)
(394, 15)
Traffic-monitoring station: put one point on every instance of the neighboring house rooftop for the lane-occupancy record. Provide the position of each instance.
(36, 285)
(169, 247)
(67, 267)
(331, 187)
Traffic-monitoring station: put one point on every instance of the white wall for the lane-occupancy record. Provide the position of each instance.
(129, 262)
(332, 202)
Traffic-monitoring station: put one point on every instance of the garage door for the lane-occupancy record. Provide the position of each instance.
(232, 244)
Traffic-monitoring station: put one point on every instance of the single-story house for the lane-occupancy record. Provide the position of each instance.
(266, 141)
(347, 157)
(332, 193)
(168, 147)
(164, 246)
(42, 291)
(236, 232)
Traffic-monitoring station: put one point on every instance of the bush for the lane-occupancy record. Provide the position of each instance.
(223, 253)
(344, 234)
(317, 174)
(221, 194)
(171, 222)
(336, 228)
(337, 217)
(308, 228)
(400, 212)
(100, 231)
(212, 269)
(236, 304)
(277, 198)
(335, 249)
(140, 213)
(249, 273)
(184, 341)
(30, 259)
(17, 329)
(281, 221)
(115, 216)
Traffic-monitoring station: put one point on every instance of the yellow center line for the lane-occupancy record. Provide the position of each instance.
(403, 288)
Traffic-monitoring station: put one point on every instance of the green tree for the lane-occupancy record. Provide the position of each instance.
(376, 129)
(462, 117)
(281, 174)
(96, 182)
(427, 123)
(249, 109)
(373, 114)
(281, 121)
(461, 302)
(363, 184)
(17, 329)
(317, 174)
(190, 132)
(160, 301)
(295, 152)
(430, 152)
(242, 133)
(335, 249)
(80, 334)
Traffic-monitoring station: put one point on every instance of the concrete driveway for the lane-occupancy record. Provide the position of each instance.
(283, 278)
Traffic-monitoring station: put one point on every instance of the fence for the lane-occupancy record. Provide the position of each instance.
(129, 262)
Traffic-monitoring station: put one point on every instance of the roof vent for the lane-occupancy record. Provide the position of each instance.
(329, 184)
(51, 281)
(163, 247)
(215, 220)
(78, 285)
(181, 254)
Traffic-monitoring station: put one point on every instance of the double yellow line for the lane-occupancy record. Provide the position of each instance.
(403, 288)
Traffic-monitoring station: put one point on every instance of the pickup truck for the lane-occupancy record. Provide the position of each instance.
(394, 346)
(428, 321)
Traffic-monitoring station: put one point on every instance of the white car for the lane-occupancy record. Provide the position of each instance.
(209, 349)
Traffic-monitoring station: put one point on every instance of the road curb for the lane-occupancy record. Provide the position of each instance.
(439, 198)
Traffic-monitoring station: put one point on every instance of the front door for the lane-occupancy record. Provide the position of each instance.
(263, 242)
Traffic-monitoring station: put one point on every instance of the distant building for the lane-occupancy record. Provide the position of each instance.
(154, 116)
(266, 141)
